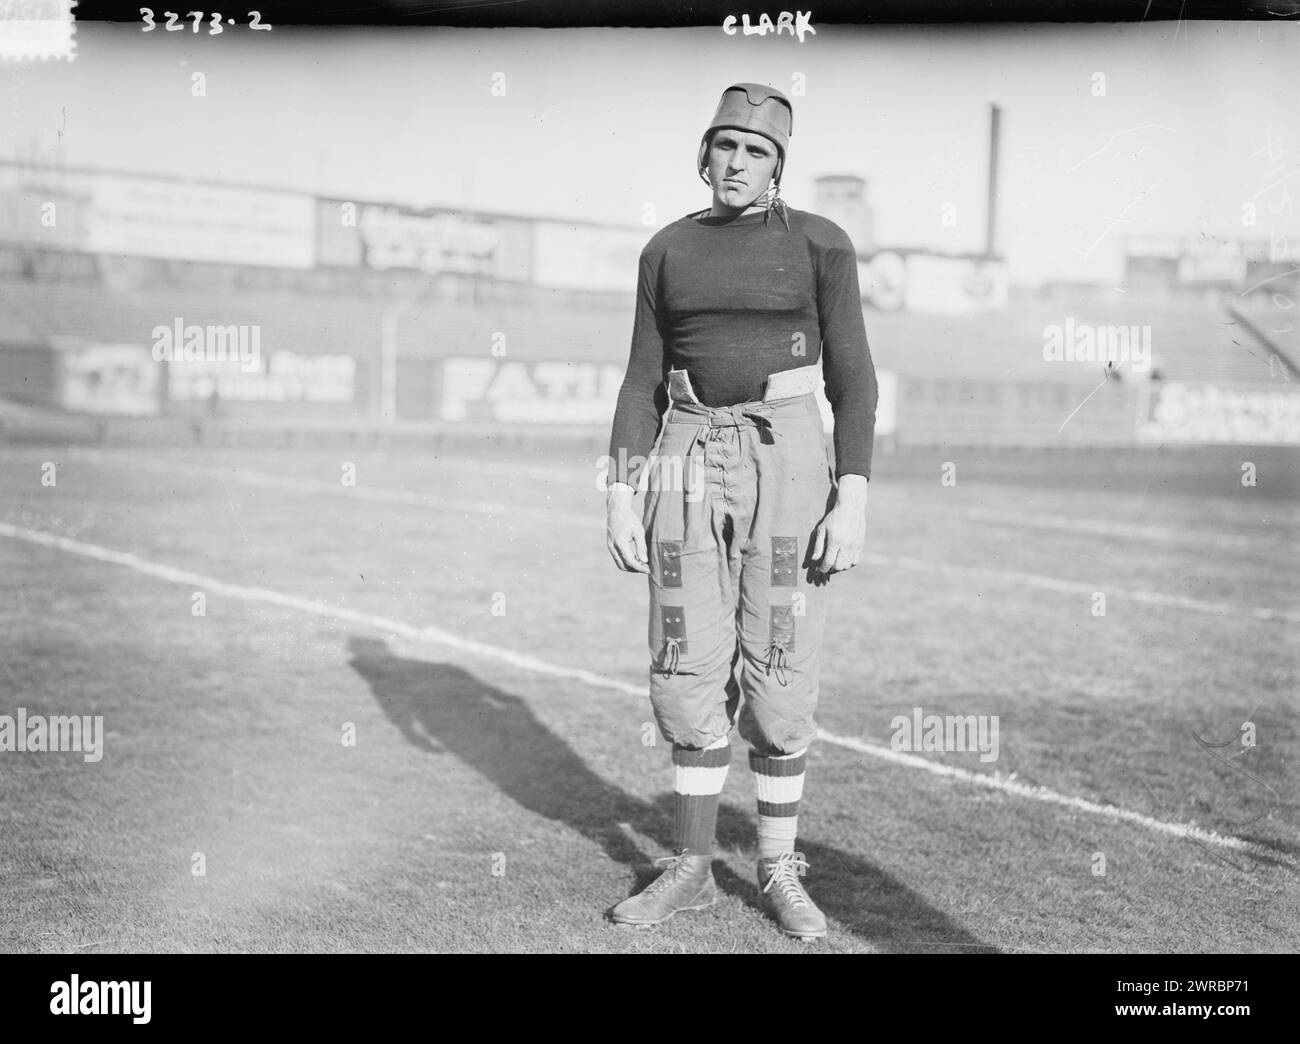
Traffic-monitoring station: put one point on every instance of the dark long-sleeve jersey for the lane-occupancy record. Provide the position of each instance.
(731, 300)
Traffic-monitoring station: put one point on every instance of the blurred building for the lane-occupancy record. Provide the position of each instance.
(134, 296)
(843, 199)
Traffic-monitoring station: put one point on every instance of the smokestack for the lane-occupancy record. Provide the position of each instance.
(991, 229)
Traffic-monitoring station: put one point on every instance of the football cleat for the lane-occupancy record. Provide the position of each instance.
(784, 898)
(685, 884)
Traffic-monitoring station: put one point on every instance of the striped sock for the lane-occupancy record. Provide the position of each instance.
(698, 776)
(778, 785)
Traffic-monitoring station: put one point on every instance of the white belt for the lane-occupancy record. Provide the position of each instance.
(802, 380)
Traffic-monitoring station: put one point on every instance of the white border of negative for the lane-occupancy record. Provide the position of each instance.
(38, 39)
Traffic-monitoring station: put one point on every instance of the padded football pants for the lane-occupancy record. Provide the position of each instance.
(733, 495)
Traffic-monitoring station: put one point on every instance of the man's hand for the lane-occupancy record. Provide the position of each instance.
(624, 535)
(838, 540)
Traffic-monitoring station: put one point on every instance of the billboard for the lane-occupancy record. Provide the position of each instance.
(953, 285)
(587, 257)
(1212, 263)
(42, 208)
(382, 236)
(882, 280)
(1203, 412)
(496, 390)
(1206, 262)
(120, 380)
(936, 284)
(479, 389)
(286, 377)
(155, 217)
(193, 222)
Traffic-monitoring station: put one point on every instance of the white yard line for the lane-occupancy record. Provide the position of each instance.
(198, 581)
(525, 662)
(267, 480)
(1129, 531)
(495, 469)
(1011, 786)
(1086, 590)
(361, 491)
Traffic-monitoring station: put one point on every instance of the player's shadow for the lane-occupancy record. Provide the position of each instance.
(444, 709)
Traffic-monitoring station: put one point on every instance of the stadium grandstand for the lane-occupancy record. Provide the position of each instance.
(374, 319)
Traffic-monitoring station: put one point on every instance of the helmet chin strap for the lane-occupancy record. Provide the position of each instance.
(770, 200)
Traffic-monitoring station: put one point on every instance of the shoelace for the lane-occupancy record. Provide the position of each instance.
(776, 651)
(674, 655)
(671, 865)
(785, 875)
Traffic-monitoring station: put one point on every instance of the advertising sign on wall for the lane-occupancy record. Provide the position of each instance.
(953, 285)
(383, 237)
(1212, 263)
(1205, 261)
(157, 218)
(109, 379)
(288, 377)
(882, 280)
(1258, 414)
(338, 239)
(932, 283)
(42, 208)
(587, 257)
(479, 389)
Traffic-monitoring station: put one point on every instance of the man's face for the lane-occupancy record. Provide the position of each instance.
(740, 165)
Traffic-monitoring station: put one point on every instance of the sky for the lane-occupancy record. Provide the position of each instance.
(1192, 120)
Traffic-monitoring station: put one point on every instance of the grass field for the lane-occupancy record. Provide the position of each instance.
(462, 615)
